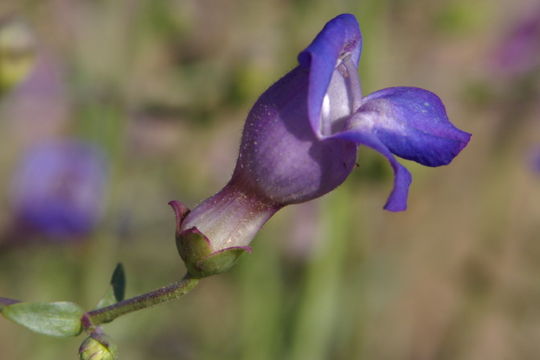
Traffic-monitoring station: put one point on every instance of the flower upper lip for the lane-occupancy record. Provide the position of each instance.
(339, 39)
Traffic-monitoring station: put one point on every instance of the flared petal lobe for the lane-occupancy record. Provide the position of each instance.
(412, 123)
(329, 85)
(397, 200)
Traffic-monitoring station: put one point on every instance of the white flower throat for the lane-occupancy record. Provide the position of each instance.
(343, 96)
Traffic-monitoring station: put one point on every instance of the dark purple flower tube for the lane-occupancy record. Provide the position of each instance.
(301, 137)
(58, 189)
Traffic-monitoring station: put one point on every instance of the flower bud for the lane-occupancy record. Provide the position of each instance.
(97, 347)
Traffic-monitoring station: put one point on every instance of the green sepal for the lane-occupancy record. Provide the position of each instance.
(117, 290)
(220, 261)
(55, 319)
(194, 248)
(192, 245)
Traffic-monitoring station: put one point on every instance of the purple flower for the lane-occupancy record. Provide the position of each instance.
(300, 142)
(519, 51)
(58, 189)
(534, 159)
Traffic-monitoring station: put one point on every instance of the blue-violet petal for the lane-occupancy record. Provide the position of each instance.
(412, 123)
(340, 38)
(397, 200)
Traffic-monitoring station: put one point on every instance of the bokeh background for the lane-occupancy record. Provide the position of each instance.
(162, 88)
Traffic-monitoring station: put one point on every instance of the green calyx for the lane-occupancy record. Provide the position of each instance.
(194, 248)
(97, 347)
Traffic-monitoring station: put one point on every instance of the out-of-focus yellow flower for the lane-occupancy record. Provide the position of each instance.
(17, 52)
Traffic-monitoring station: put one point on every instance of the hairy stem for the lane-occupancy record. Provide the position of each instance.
(166, 293)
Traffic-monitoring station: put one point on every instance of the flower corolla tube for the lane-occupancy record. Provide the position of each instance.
(300, 141)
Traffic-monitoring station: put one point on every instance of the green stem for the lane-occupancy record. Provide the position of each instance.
(164, 294)
(316, 326)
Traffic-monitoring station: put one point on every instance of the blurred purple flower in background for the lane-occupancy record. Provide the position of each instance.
(58, 189)
(534, 159)
(519, 50)
(301, 137)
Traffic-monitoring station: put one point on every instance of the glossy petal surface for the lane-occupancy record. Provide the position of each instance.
(412, 123)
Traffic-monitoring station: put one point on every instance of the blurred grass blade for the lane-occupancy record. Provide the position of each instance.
(117, 290)
(315, 327)
(54, 319)
(262, 302)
